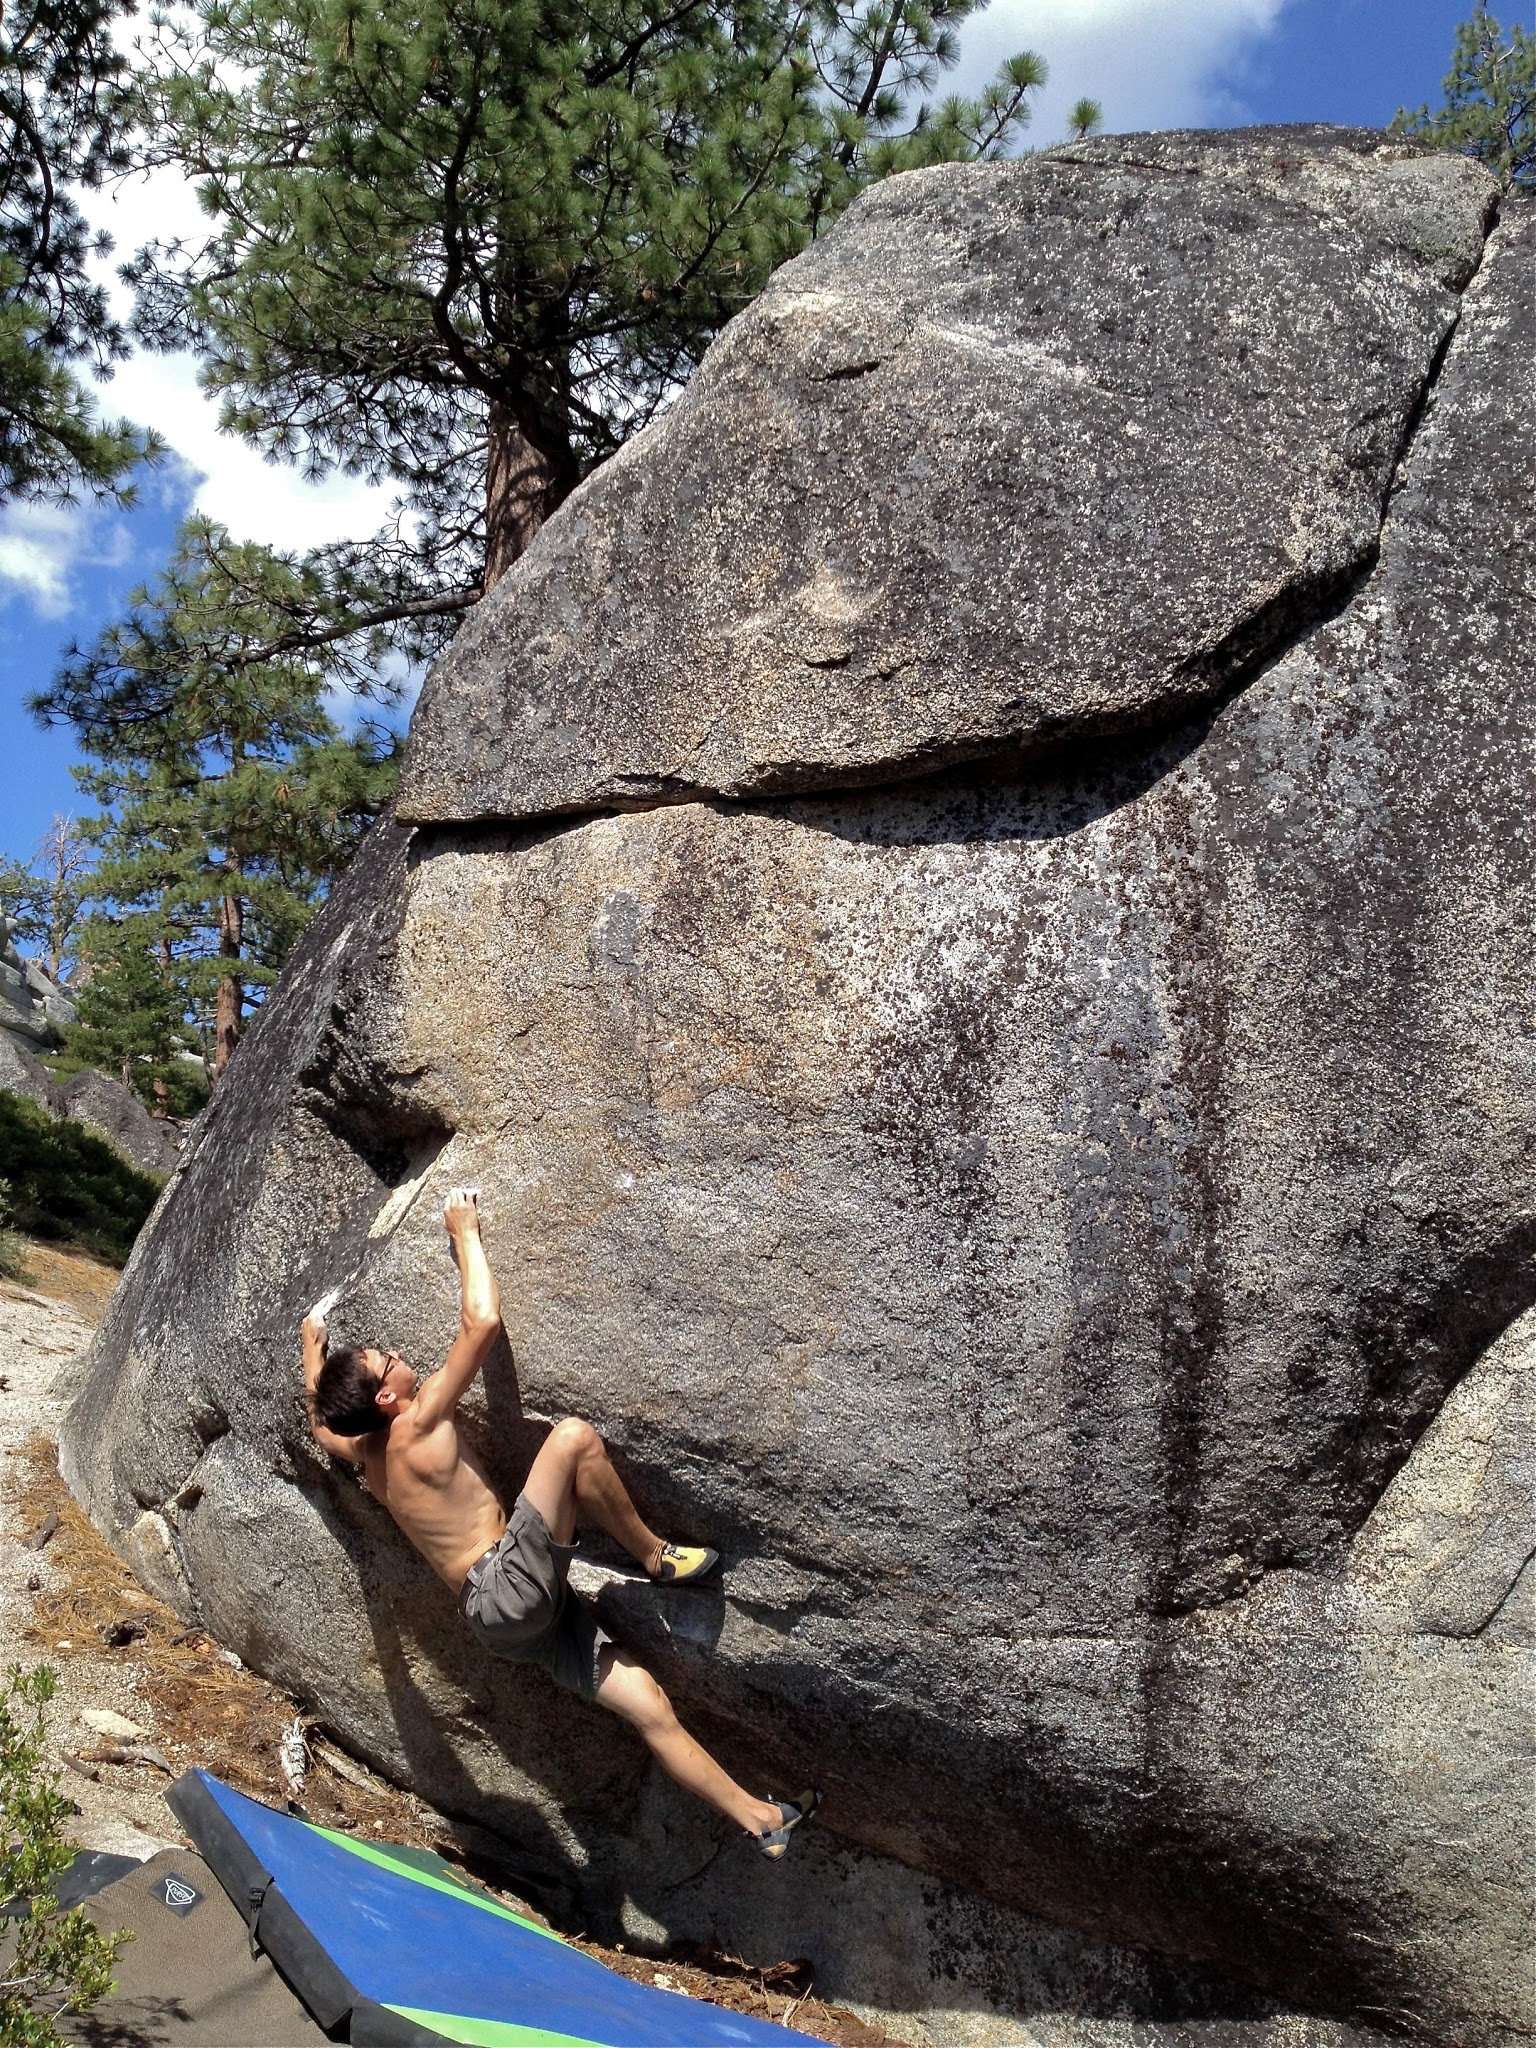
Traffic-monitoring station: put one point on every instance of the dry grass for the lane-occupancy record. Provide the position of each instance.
(214, 1715)
(208, 1711)
(64, 1273)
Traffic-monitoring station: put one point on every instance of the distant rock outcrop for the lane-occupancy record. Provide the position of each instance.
(968, 906)
(34, 1010)
(32, 1005)
(22, 1073)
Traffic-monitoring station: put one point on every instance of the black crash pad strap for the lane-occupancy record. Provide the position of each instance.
(275, 1929)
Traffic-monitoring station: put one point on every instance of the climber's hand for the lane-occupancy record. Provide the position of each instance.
(461, 1212)
(315, 1323)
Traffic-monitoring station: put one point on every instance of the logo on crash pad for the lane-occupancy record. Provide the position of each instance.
(180, 1896)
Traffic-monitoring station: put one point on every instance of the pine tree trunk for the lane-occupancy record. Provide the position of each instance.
(162, 1108)
(229, 996)
(524, 484)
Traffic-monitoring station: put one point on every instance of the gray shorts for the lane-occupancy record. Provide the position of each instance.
(517, 1603)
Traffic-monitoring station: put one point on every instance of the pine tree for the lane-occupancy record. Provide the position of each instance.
(58, 1963)
(470, 248)
(62, 126)
(231, 796)
(132, 1012)
(1490, 101)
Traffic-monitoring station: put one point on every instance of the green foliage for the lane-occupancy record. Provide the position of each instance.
(131, 1018)
(62, 1964)
(61, 127)
(13, 1253)
(1490, 101)
(180, 1088)
(231, 799)
(65, 1183)
(1086, 116)
(470, 247)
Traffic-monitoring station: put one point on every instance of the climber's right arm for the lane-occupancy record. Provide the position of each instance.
(479, 1312)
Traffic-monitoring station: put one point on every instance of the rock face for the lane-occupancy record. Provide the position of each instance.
(922, 499)
(99, 1101)
(33, 1010)
(22, 1073)
(1061, 1221)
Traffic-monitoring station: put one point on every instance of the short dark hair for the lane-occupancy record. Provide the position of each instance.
(344, 1394)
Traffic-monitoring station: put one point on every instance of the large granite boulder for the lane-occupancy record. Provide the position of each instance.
(1062, 1222)
(923, 498)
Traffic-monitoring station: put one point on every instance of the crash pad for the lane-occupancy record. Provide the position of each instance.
(405, 1951)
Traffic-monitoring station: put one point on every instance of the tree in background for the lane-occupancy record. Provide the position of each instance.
(62, 125)
(132, 1019)
(46, 899)
(1490, 101)
(1085, 117)
(470, 248)
(231, 795)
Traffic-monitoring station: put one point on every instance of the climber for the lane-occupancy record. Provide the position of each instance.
(510, 1572)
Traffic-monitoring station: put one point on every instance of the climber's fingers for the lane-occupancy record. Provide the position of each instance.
(461, 1206)
(320, 1315)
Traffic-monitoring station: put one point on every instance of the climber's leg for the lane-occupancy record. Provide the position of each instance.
(628, 1689)
(573, 1474)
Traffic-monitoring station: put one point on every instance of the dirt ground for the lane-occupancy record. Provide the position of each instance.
(67, 1600)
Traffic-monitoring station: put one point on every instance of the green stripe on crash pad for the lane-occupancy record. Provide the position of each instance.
(457, 2026)
(372, 1853)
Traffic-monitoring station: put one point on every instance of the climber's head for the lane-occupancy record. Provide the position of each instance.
(360, 1390)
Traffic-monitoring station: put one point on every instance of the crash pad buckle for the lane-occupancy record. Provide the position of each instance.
(255, 1899)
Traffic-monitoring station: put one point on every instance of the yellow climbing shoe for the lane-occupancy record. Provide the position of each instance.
(679, 1564)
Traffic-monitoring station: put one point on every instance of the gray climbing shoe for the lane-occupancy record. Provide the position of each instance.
(774, 1841)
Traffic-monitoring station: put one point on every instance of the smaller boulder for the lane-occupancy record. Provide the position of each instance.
(105, 1106)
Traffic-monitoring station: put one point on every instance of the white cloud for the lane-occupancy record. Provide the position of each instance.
(42, 547)
(395, 673)
(1149, 63)
(256, 499)
(37, 546)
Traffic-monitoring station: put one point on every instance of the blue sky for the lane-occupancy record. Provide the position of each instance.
(1152, 63)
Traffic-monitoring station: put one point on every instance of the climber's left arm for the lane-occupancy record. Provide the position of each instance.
(314, 1334)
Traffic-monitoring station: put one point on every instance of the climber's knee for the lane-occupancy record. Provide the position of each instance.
(575, 1439)
(628, 1689)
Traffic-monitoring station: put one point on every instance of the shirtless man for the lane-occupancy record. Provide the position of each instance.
(509, 1572)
